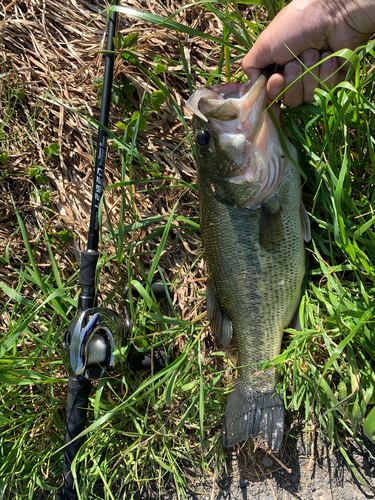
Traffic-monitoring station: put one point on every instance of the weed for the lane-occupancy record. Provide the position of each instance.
(36, 172)
(52, 151)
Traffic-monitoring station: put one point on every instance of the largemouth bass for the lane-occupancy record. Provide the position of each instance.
(253, 226)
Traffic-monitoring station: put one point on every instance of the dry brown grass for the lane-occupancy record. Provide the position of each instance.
(53, 49)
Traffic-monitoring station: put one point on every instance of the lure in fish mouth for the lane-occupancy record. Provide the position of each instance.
(253, 226)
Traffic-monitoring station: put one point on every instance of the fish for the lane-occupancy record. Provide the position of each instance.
(254, 227)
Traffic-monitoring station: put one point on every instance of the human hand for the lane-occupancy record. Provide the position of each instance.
(312, 30)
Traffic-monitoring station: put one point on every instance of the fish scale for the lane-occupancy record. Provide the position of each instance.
(246, 280)
(256, 262)
(257, 290)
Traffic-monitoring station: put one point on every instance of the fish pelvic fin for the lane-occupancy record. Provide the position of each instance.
(220, 325)
(252, 413)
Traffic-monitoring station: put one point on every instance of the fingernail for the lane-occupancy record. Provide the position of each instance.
(293, 70)
(275, 91)
(310, 57)
(331, 62)
(277, 87)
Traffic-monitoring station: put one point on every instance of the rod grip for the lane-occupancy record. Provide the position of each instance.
(76, 412)
(87, 270)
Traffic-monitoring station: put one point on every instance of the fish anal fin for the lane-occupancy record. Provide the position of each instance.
(271, 229)
(251, 413)
(295, 322)
(220, 325)
(305, 221)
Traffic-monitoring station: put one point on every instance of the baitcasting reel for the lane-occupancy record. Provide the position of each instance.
(90, 340)
(94, 334)
(88, 349)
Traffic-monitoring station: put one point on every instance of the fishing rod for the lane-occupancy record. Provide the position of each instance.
(96, 332)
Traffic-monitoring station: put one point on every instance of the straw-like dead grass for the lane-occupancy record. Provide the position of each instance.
(52, 49)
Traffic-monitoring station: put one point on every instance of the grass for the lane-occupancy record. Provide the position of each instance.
(151, 432)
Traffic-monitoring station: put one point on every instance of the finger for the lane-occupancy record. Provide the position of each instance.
(328, 71)
(297, 27)
(309, 58)
(294, 95)
(270, 48)
(275, 86)
(253, 74)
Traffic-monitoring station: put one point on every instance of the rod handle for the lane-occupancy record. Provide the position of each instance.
(76, 412)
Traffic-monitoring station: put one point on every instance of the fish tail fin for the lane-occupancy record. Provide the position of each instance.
(252, 413)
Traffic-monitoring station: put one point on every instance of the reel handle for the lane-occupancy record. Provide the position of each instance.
(158, 360)
(157, 287)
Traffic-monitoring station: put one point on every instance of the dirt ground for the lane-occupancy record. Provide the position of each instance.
(321, 476)
(298, 472)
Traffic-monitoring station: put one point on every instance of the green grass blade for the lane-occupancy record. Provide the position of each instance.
(173, 25)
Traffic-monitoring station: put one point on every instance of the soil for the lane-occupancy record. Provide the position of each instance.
(306, 468)
(314, 474)
(319, 474)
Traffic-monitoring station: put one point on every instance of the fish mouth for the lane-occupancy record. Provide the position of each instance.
(231, 108)
(235, 114)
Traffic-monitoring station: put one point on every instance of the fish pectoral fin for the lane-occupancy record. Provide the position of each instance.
(305, 220)
(251, 413)
(220, 325)
(271, 229)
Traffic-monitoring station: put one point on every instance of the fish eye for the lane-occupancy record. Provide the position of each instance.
(203, 138)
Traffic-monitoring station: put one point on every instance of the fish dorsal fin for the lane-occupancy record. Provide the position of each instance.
(305, 221)
(271, 229)
(220, 325)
